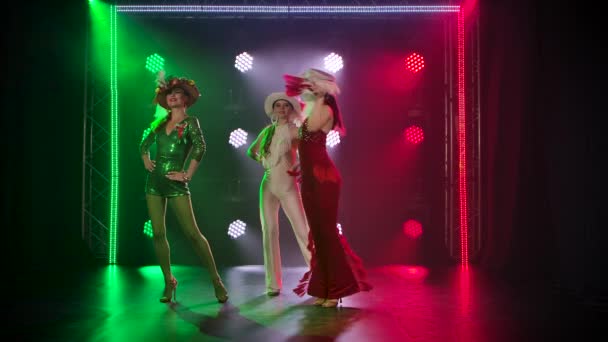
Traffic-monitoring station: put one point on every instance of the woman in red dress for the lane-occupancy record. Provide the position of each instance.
(335, 270)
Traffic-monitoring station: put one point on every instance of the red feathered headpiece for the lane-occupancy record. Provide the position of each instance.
(293, 85)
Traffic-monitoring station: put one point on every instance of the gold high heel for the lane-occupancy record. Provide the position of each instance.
(222, 296)
(171, 288)
(318, 301)
(331, 303)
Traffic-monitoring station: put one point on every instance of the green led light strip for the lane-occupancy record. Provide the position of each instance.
(114, 134)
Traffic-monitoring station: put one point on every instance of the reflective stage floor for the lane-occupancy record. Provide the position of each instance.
(408, 303)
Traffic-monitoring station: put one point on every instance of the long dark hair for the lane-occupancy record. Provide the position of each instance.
(331, 101)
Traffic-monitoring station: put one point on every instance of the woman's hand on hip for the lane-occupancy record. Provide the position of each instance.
(148, 163)
(178, 176)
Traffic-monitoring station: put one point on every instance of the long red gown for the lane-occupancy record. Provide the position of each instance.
(335, 270)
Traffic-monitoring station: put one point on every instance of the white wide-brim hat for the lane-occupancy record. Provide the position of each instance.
(318, 75)
(324, 80)
(274, 97)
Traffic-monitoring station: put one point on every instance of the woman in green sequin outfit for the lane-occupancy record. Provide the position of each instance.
(178, 137)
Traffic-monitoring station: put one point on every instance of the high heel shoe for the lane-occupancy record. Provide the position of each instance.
(331, 303)
(220, 291)
(318, 301)
(170, 291)
(273, 292)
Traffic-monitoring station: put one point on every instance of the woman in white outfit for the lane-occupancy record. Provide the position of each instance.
(276, 149)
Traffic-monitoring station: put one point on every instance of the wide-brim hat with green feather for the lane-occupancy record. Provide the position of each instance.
(164, 85)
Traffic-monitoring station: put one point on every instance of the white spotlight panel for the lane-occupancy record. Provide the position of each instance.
(333, 62)
(243, 62)
(238, 138)
(333, 138)
(236, 229)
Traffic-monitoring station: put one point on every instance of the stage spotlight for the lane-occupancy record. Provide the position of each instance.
(414, 62)
(333, 62)
(238, 138)
(243, 62)
(148, 229)
(155, 63)
(236, 229)
(333, 138)
(412, 229)
(339, 226)
(414, 134)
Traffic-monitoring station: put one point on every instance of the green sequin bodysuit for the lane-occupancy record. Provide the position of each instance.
(172, 152)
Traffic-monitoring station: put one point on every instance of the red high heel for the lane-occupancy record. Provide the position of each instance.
(170, 291)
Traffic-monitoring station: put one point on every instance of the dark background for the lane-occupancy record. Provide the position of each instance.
(542, 97)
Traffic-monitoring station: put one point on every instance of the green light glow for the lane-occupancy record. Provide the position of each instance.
(148, 229)
(155, 63)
